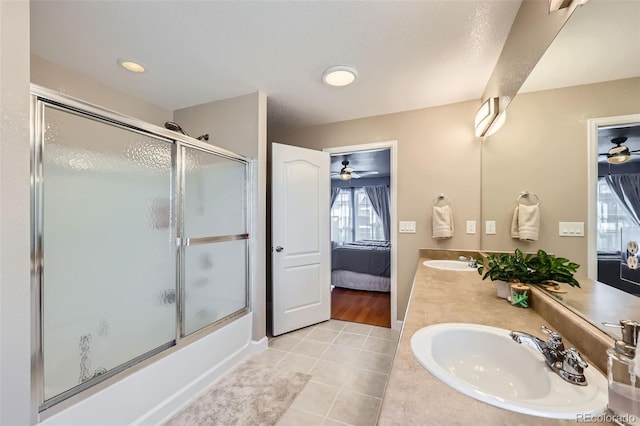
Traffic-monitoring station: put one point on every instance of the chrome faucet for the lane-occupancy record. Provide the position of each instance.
(473, 263)
(567, 363)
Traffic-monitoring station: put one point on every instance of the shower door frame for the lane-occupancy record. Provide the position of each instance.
(40, 99)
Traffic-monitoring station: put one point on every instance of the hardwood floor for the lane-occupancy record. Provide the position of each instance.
(367, 307)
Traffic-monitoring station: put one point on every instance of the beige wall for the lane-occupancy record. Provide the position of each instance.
(239, 125)
(15, 294)
(542, 148)
(61, 79)
(231, 123)
(437, 153)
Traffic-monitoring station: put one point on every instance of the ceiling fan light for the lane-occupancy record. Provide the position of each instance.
(345, 175)
(618, 158)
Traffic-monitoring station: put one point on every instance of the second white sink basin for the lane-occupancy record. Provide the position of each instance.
(486, 364)
(450, 265)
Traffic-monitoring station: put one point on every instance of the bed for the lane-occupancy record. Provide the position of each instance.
(362, 265)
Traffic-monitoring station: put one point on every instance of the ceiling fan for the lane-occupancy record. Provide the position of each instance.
(619, 153)
(347, 172)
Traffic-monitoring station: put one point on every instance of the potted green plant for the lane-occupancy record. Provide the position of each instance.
(504, 268)
(515, 267)
(547, 268)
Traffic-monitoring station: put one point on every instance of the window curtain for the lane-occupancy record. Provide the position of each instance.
(379, 197)
(626, 187)
(334, 195)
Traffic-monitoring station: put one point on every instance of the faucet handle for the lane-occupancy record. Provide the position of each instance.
(573, 366)
(574, 359)
(555, 338)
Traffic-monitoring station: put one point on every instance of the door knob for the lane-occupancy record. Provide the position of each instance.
(279, 249)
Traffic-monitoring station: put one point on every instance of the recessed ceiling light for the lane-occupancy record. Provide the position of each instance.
(131, 66)
(339, 75)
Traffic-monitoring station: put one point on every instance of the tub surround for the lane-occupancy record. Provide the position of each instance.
(413, 396)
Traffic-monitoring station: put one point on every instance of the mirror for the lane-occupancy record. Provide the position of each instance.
(594, 63)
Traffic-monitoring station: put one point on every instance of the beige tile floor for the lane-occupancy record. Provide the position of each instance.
(349, 365)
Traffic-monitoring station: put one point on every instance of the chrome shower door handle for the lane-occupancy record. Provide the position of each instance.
(279, 248)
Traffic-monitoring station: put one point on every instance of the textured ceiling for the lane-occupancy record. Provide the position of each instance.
(409, 54)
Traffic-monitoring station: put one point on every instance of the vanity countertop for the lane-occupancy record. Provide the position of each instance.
(413, 396)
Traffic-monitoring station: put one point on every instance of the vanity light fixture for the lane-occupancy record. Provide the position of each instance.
(131, 66)
(497, 123)
(485, 116)
(558, 4)
(339, 75)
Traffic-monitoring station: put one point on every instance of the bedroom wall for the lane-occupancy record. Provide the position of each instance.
(437, 153)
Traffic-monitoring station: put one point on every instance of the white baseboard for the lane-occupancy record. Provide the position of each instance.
(259, 346)
(397, 325)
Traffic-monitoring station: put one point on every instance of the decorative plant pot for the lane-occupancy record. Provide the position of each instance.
(519, 295)
(503, 288)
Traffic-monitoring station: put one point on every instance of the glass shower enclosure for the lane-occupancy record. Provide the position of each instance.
(139, 242)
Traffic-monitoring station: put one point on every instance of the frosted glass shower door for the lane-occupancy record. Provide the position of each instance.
(214, 238)
(108, 248)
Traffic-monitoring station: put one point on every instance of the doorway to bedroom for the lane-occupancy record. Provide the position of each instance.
(362, 234)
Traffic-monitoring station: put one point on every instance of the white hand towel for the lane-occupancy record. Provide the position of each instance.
(514, 225)
(442, 222)
(528, 222)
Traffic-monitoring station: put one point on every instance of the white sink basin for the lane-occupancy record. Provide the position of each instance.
(486, 364)
(450, 265)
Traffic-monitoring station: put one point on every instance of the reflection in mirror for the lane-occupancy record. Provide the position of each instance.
(591, 70)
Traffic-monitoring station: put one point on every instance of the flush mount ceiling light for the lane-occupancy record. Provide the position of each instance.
(131, 66)
(485, 116)
(339, 75)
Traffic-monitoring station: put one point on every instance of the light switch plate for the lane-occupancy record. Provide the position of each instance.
(471, 227)
(571, 229)
(490, 227)
(407, 227)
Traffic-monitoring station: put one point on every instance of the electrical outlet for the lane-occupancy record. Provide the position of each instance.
(471, 227)
(490, 227)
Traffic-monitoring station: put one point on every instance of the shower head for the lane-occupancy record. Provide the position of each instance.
(175, 127)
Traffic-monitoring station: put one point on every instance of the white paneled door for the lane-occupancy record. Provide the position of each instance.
(300, 238)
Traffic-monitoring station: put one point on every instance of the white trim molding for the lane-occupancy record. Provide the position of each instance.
(592, 179)
(259, 346)
(393, 186)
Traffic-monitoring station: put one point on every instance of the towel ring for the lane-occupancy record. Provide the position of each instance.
(528, 195)
(440, 198)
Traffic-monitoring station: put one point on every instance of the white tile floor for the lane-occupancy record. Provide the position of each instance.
(349, 365)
